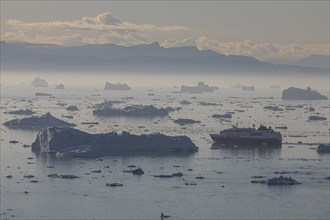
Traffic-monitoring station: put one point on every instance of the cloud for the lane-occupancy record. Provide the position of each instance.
(103, 28)
(262, 50)
(178, 43)
(102, 22)
(69, 40)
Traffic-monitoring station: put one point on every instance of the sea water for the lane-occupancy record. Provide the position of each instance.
(224, 193)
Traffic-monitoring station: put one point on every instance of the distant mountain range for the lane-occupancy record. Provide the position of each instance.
(21, 56)
(314, 60)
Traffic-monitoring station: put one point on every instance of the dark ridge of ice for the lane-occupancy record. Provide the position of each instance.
(37, 122)
(316, 118)
(76, 143)
(293, 93)
(184, 121)
(43, 94)
(134, 110)
(227, 115)
(185, 102)
(282, 180)
(273, 108)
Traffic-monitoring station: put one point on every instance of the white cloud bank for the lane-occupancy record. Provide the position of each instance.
(102, 22)
(104, 28)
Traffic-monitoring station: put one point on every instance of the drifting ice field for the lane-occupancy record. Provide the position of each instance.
(224, 192)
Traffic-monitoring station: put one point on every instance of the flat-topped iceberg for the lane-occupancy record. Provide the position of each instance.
(200, 88)
(118, 86)
(293, 93)
(248, 88)
(185, 121)
(134, 110)
(316, 118)
(43, 94)
(38, 122)
(21, 112)
(59, 86)
(76, 143)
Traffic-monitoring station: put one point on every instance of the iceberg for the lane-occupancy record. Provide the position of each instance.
(316, 118)
(185, 121)
(227, 115)
(59, 86)
(38, 82)
(323, 148)
(200, 88)
(118, 86)
(75, 143)
(248, 88)
(72, 108)
(21, 112)
(38, 122)
(293, 93)
(43, 94)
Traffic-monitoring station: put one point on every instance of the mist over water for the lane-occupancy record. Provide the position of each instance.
(158, 80)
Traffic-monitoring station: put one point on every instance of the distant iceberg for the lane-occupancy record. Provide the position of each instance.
(118, 86)
(248, 88)
(293, 93)
(200, 88)
(38, 82)
(76, 143)
(38, 122)
(59, 86)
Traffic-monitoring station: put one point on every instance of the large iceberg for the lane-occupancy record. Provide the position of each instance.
(118, 86)
(76, 143)
(293, 93)
(134, 110)
(38, 122)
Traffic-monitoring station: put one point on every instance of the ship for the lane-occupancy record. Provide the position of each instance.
(235, 136)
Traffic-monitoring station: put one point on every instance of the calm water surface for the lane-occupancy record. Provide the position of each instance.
(226, 191)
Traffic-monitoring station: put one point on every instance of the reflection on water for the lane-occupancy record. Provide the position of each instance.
(251, 152)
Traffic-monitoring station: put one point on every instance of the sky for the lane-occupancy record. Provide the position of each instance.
(264, 29)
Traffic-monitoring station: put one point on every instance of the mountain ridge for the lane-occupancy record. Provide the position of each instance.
(152, 57)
